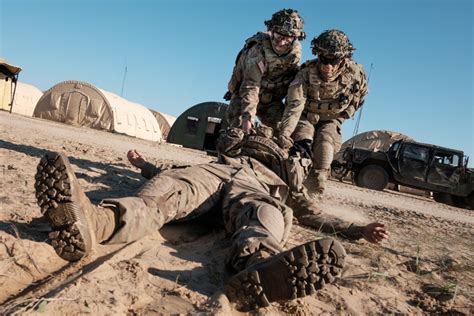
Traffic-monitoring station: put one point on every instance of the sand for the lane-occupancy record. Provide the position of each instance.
(425, 267)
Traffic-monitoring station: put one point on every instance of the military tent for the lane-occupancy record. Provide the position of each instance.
(378, 140)
(165, 122)
(81, 103)
(199, 126)
(26, 97)
(8, 82)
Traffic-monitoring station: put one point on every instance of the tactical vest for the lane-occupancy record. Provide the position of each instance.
(279, 70)
(329, 99)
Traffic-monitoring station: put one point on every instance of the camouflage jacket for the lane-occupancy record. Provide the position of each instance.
(338, 99)
(260, 75)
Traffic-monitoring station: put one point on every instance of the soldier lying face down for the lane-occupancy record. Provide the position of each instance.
(249, 189)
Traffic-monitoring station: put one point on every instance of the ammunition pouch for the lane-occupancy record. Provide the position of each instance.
(297, 170)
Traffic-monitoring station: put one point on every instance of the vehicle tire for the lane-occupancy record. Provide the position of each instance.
(373, 177)
(469, 200)
(444, 198)
(460, 201)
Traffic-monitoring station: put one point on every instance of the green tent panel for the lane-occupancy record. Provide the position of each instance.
(199, 126)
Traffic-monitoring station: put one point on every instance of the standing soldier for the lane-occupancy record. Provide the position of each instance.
(326, 91)
(263, 70)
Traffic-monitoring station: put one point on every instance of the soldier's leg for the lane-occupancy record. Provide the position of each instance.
(300, 200)
(172, 195)
(260, 227)
(326, 143)
(77, 224)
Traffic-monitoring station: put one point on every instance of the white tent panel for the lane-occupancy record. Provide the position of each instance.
(81, 103)
(132, 118)
(26, 97)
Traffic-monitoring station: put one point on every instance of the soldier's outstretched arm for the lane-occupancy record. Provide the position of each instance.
(332, 225)
(253, 70)
(295, 102)
(359, 91)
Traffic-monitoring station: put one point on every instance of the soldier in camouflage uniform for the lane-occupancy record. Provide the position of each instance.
(248, 191)
(263, 70)
(326, 91)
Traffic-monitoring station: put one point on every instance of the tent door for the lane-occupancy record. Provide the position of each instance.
(212, 133)
(76, 104)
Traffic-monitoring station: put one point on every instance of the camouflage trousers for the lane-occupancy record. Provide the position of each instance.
(269, 113)
(326, 137)
(255, 221)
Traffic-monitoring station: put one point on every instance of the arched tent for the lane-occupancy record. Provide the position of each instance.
(8, 82)
(165, 121)
(26, 97)
(199, 126)
(378, 140)
(81, 103)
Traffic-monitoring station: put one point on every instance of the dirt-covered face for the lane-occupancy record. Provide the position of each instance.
(281, 43)
(329, 66)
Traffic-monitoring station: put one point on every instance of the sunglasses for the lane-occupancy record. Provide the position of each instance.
(281, 37)
(329, 61)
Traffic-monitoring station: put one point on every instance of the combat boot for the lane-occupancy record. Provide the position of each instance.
(302, 203)
(292, 274)
(73, 218)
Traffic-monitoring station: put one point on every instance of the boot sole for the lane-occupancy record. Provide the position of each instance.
(60, 204)
(292, 274)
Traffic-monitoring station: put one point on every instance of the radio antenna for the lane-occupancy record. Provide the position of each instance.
(123, 81)
(356, 128)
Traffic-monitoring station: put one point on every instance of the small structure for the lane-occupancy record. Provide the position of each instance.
(80, 103)
(165, 121)
(199, 126)
(8, 83)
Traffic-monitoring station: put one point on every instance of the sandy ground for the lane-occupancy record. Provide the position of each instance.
(426, 266)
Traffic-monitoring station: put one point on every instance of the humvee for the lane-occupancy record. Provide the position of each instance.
(440, 170)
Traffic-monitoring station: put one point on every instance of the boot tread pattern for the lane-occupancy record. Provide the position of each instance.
(53, 194)
(295, 273)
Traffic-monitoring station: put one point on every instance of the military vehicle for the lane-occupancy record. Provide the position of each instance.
(440, 170)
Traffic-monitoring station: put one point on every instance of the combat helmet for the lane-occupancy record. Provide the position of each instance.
(332, 44)
(287, 22)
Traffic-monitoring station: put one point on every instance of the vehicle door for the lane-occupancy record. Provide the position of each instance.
(445, 169)
(414, 161)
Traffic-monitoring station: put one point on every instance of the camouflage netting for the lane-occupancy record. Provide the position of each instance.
(332, 44)
(287, 22)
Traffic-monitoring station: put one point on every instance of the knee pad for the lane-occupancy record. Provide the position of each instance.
(323, 155)
(272, 220)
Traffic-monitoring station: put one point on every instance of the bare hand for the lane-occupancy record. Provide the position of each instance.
(136, 158)
(375, 233)
(247, 127)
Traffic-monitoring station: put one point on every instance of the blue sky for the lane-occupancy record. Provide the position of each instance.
(180, 53)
